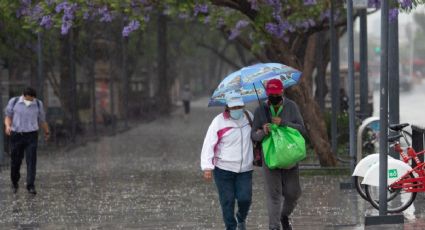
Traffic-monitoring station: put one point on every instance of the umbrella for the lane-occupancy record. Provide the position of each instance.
(250, 81)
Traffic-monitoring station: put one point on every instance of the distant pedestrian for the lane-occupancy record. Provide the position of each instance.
(227, 154)
(186, 98)
(282, 185)
(24, 114)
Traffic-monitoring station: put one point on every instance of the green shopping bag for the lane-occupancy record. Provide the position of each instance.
(284, 147)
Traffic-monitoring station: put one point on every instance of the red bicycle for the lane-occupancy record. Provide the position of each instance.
(403, 184)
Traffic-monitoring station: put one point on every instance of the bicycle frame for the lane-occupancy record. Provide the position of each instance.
(406, 182)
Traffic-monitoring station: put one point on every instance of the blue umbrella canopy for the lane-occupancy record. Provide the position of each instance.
(250, 81)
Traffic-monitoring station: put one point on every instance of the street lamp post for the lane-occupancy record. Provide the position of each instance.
(383, 111)
(383, 218)
(1, 125)
(334, 78)
(393, 78)
(351, 93)
(364, 86)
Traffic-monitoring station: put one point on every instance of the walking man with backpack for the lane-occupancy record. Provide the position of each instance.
(24, 115)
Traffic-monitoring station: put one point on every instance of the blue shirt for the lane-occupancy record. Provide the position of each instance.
(25, 118)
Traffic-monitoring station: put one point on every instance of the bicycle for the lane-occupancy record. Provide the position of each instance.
(401, 190)
(371, 159)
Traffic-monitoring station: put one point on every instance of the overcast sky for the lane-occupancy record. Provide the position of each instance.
(374, 23)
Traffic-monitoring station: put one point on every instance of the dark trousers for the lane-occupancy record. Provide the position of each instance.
(23, 143)
(283, 191)
(186, 105)
(231, 186)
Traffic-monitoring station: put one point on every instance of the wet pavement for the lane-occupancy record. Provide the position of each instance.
(149, 178)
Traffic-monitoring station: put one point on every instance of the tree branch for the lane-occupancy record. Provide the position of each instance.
(220, 55)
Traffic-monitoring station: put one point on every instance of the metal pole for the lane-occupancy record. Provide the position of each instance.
(111, 92)
(74, 109)
(383, 111)
(364, 86)
(393, 78)
(2, 124)
(93, 83)
(335, 80)
(351, 93)
(40, 75)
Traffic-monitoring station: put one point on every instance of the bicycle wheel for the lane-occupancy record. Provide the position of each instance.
(397, 200)
(360, 187)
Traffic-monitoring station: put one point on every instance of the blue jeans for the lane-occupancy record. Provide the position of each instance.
(231, 186)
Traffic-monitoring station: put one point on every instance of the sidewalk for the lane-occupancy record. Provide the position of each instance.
(149, 178)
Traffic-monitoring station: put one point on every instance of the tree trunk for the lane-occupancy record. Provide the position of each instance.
(164, 87)
(321, 64)
(65, 77)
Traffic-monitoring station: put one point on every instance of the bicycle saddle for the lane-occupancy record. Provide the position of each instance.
(394, 138)
(398, 127)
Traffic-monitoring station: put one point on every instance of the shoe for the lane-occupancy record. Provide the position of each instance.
(15, 188)
(32, 191)
(241, 226)
(286, 224)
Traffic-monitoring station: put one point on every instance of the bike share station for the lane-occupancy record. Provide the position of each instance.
(367, 170)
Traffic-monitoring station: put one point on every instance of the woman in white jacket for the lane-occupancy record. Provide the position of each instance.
(227, 153)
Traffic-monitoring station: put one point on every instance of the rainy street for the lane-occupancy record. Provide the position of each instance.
(149, 178)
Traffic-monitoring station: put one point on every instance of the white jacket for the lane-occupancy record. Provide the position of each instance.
(233, 152)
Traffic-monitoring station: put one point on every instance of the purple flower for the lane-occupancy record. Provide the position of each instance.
(86, 15)
(277, 8)
(406, 4)
(46, 22)
(272, 28)
(66, 25)
(325, 15)
(61, 6)
(200, 8)
(374, 3)
(310, 2)
(105, 14)
(237, 29)
(393, 14)
(254, 4)
(281, 29)
(132, 26)
(36, 12)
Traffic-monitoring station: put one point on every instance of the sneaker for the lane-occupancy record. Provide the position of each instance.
(15, 188)
(241, 226)
(286, 224)
(32, 191)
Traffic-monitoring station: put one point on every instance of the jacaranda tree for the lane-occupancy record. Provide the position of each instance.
(273, 30)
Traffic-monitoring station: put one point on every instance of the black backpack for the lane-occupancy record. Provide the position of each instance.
(15, 100)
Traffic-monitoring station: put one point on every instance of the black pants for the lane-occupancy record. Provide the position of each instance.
(24, 143)
(186, 105)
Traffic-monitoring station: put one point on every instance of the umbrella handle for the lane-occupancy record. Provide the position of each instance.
(261, 106)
